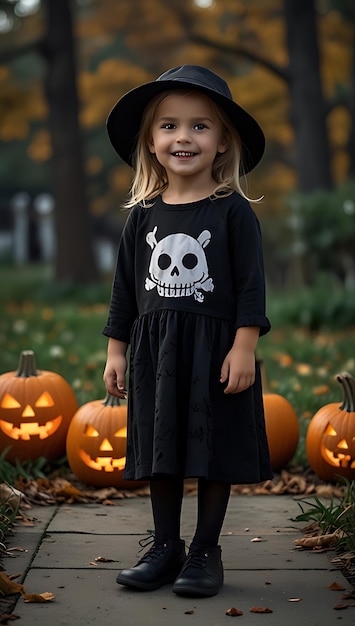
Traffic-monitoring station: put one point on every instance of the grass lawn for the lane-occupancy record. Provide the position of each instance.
(63, 326)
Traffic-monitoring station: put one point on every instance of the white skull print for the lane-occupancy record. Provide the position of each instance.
(178, 265)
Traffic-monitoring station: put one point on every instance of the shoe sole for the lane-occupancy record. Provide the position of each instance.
(196, 592)
(143, 586)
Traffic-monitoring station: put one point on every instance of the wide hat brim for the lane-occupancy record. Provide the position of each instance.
(124, 120)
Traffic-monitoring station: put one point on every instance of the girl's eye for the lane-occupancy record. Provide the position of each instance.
(200, 126)
(168, 126)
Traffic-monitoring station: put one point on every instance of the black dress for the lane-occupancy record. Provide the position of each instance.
(187, 277)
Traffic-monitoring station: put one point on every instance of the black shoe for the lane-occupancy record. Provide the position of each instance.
(159, 566)
(202, 574)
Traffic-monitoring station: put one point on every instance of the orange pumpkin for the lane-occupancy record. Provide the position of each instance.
(35, 410)
(281, 423)
(330, 440)
(96, 443)
(282, 429)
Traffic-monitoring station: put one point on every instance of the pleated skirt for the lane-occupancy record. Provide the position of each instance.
(180, 422)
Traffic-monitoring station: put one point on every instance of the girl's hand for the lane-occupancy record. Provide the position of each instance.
(238, 367)
(115, 376)
(115, 370)
(239, 370)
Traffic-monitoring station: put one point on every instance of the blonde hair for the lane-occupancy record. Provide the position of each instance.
(150, 178)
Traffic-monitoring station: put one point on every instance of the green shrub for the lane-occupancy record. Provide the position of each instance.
(324, 305)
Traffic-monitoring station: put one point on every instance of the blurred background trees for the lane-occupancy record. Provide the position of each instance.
(291, 63)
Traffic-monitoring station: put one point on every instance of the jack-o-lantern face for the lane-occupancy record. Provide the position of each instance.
(336, 449)
(104, 449)
(330, 440)
(35, 410)
(24, 422)
(96, 444)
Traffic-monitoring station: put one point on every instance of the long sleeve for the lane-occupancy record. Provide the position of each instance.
(123, 305)
(248, 268)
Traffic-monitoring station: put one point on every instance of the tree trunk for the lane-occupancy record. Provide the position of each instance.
(74, 255)
(307, 102)
(351, 144)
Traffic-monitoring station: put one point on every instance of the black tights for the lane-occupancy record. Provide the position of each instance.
(166, 497)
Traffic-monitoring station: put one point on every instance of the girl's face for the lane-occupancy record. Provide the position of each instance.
(186, 136)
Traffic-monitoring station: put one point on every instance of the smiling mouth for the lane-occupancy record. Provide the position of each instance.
(183, 154)
(102, 463)
(31, 429)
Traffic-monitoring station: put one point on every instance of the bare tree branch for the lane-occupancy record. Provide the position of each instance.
(8, 54)
(244, 52)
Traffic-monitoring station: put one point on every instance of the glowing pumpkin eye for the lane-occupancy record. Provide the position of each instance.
(122, 432)
(45, 400)
(9, 402)
(90, 431)
(330, 431)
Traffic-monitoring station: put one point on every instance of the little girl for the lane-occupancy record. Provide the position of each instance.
(188, 296)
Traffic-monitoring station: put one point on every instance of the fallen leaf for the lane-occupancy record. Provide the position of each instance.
(189, 612)
(324, 491)
(15, 549)
(5, 617)
(47, 596)
(13, 576)
(260, 609)
(104, 559)
(312, 529)
(336, 587)
(25, 522)
(348, 595)
(304, 369)
(318, 542)
(297, 484)
(69, 491)
(320, 390)
(11, 496)
(294, 599)
(340, 607)
(8, 586)
(233, 611)
(257, 540)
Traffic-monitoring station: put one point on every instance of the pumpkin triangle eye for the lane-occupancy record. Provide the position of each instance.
(122, 432)
(90, 431)
(45, 400)
(330, 431)
(9, 402)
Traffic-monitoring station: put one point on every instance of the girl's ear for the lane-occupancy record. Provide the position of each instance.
(223, 145)
(151, 146)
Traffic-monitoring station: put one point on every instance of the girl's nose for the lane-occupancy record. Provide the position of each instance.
(183, 135)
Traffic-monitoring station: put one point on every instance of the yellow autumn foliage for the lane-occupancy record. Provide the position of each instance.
(123, 44)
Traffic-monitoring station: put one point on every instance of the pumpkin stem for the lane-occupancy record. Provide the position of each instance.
(348, 383)
(27, 364)
(111, 400)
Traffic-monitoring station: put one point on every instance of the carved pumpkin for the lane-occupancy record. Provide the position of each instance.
(96, 444)
(35, 410)
(282, 429)
(330, 440)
